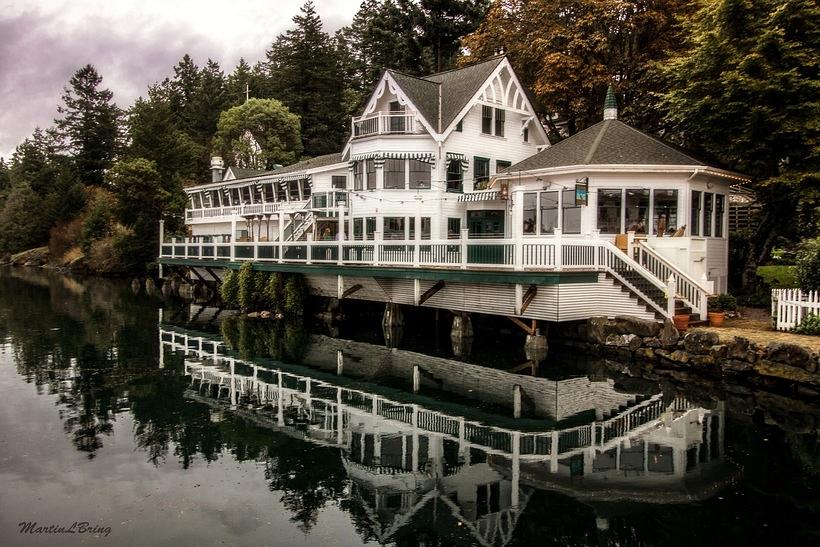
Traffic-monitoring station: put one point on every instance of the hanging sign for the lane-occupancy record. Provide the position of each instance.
(582, 191)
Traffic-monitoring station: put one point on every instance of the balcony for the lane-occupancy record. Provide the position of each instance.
(385, 123)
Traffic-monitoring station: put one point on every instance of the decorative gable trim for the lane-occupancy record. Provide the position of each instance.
(388, 83)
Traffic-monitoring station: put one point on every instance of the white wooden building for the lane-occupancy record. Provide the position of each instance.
(454, 172)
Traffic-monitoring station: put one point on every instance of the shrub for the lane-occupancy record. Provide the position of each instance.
(809, 325)
(104, 254)
(247, 284)
(98, 219)
(294, 295)
(778, 277)
(274, 292)
(808, 265)
(722, 302)
(229, 289)
(65, 237)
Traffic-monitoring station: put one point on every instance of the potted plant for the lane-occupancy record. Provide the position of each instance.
(718, 306)
(681, 321)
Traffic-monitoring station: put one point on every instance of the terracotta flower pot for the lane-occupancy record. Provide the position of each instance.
(716, 318)
(681, 322)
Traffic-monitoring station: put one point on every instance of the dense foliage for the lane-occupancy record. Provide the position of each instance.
(736, 81)
(808, 265)
(248, 290)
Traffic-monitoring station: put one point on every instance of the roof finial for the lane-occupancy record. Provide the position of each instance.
(610, 105)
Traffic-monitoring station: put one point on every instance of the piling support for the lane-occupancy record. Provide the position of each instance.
(416, 378)
(340, 362)
(517, 401)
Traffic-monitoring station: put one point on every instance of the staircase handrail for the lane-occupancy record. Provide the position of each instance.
(293, 228)
(637, 267)
(687, 288)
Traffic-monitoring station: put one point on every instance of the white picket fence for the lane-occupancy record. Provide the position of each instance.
(790, 306)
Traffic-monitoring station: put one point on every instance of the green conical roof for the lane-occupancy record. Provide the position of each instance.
(610, 101)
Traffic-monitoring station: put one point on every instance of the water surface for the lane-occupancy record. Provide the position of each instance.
(181, 427)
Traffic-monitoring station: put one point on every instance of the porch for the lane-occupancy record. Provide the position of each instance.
(638, 269)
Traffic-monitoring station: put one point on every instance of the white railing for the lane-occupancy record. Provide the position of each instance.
(557, 253)
(601, 435)
(381, 123)
(692, 293)
(251, 209)
(791, 306)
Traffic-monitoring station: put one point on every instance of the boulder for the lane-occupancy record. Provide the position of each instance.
(150, 287)
(700, 342)
(598, 328)
(630, 341)
(669, 334)
(735, 365)
(703, 360)
(626, 324)
(253, 315)
(719, 352)
(645, 354)
(679, 356)
(738, 348)
(265, 314)
(791, 354)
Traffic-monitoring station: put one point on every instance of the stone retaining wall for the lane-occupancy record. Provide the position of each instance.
(776, 365)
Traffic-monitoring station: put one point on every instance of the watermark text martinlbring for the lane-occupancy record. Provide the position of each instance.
(32, 527)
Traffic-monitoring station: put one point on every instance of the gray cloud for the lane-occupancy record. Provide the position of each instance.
(40, 49)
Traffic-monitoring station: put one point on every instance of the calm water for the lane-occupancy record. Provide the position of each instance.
(175, 427)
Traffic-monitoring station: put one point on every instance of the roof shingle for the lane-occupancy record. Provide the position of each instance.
(610, 142)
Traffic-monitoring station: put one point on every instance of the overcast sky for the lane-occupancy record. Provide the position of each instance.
(132, 43)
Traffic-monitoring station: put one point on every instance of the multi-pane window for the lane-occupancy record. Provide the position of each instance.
(339, 182)
(455, 176)
(370, 227)
(610, 204)
(268, 192)
(720, 205)
(665, 207)
(637, 210)
(394, 174)
(393, 228)
(425, 227)
(358, 176)
(481, 169)
(419, 174)
(499, 122)
(549, 212)
(707, 213)
(246, 195)
(397, 124)
(293, 190)
(358, 229)
(486, 119)
(281, 191)
(694, 216)
(571, 221)
(370, 172)
(306, 188)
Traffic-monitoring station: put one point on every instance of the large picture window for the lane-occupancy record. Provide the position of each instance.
(393, 228)
(549, 212)
(394, 174)
(485, 224)
(453, 228)
(419, 174)
(530, 212)
(665, 207)
(571, 220)
(637, 210)
(610, 203)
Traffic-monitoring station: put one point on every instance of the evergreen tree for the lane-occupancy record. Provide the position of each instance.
(21, 227)
(208, 102)
(305, 74)
(5, 178)
(747, 94)
(155, 134)
(32, 162)
(89, 129)
(183, 88)
(441, 25)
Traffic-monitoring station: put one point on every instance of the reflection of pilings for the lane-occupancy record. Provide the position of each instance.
(461, 335)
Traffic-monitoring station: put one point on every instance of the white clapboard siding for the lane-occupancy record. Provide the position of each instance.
(791, 306)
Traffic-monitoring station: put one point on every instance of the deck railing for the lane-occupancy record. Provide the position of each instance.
(557, 253)
(384, 123)
(690, 291)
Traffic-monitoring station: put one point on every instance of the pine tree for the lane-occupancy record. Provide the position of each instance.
(305, 74)
(208, 102)
(89, 129)
(442, 23)
(183, 87)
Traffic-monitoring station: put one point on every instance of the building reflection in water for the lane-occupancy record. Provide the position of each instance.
(415, 463)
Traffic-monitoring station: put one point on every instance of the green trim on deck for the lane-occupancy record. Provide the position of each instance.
(433, 274)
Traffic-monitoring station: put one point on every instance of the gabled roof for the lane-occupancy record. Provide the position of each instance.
(312, 163)
(610, 142)
(458, 86)
(240, 173)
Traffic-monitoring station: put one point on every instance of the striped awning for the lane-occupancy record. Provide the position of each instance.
(460, 157)
(427, 157)
(479, 196)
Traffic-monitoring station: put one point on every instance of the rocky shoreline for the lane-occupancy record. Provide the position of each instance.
(776, 366)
